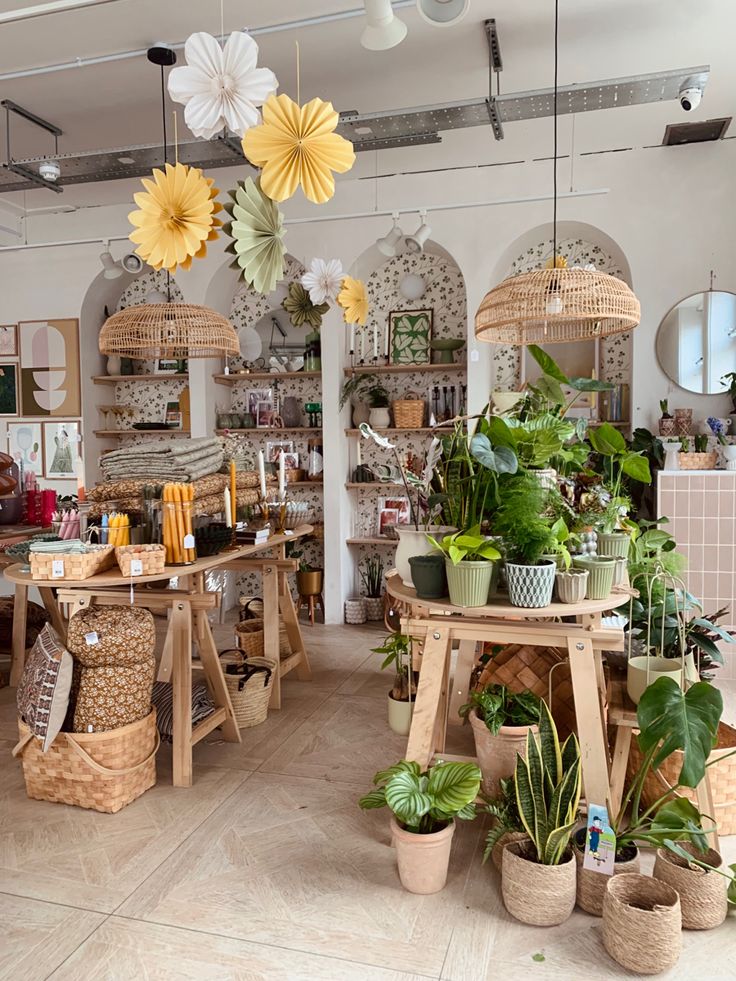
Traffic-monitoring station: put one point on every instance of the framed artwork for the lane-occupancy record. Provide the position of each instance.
(172, 415)
(291, 461)
(8, 389)
(167, 366)
(410, 332)
(275, 447)
(392, 511)
(8, 340)
(24, 445)
(256, 395)
(264, 415)
(49, 368)
(62, 448)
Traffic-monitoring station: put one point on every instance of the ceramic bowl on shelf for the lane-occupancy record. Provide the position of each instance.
(443, 348)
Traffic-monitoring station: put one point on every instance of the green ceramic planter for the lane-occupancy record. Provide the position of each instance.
(428, 576)
(613, 543)
(601, 569)
(469, 582)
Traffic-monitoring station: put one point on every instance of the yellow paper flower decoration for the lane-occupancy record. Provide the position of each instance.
(353, 298)
(298, 146)
(559, 263)
(176, 216)
(216, 224)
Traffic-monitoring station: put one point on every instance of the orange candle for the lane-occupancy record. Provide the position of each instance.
(233, 493)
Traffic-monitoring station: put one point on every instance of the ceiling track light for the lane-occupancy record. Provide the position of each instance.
(443, 13)
(112, 268)
(383, 28)
(415, 243)
(389, 244)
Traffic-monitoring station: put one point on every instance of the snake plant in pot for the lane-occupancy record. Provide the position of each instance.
(538, 881)
(425, 805)
(526, 536)
(469, 563)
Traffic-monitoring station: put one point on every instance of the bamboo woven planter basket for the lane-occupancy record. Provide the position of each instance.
(591, 886)
(642, 924)
(702, 894)
(408, 412)
(76, 565)
(151, 557)
(698, 461)
(540, 895)
(249, 688)
(102, 771)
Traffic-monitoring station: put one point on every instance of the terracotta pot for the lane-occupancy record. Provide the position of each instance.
(310, 583)
(591, 886)
(702, 894)
(497, 754)
(541, 895)
(400, 715)
(423, 860)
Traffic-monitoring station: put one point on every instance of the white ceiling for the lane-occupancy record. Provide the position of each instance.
(117, 104)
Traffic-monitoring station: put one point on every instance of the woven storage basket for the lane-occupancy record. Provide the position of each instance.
(409, 411)
(591, 886)
(251, 608)
(540, 895)
(249, 694)
(152, 558)
(249, 637)
(698, 461)
(702, 894)
(642, 924)
(102, 771)
(81, 565)
(246, 478)
(722, 778)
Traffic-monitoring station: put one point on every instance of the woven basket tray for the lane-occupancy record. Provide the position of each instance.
(102, 771)
(249, 695)
(408, 412)
(76, 566)
(698, 461)
(151, 557)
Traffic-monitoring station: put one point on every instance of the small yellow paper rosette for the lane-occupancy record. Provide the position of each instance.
(297, 147)
(353, 298)
(176, 216)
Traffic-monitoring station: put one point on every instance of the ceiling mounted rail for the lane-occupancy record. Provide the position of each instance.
(53, 7)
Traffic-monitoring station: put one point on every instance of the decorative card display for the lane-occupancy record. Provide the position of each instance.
(61, 450)
(392, 511)
(410, 332)
(24, 445)
(49, 368)
(600, 841)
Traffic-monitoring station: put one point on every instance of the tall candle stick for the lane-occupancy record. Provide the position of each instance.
(282, 477)
(352, 339)
(228, 509)
(385, 341)
(359, 454)
(233, 495)
(375, 342)
(362, 338)
(262, 473)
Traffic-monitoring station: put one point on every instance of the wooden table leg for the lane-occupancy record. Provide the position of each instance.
(18, 646)
(593, 750)
(52, 608)
(167, 655)
(293, 630)
(271, 628)
(620, 761)
(212, 667)
(461, 680)
(181, 625)
(429, 696)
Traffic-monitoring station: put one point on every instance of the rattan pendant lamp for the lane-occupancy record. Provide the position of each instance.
(550, 306)
(168, 330)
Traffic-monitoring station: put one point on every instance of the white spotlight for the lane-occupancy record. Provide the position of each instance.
(132, 263)
(412, 287)
(112, 269)
(388, 245)
(383, 29)
(443, 13)
(417, 241)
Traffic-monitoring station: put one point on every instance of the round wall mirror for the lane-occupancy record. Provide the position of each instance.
(696, 341)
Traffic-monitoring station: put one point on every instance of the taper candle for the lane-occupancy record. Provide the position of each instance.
(262, 473)
(282, 477)
(233, 495)
(228, 509)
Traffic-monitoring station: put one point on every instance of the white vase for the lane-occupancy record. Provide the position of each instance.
(399, 716)
(413, 542)
(380, 418)
(672, 449)
(113, 364)
(361, 413)
(729, 455)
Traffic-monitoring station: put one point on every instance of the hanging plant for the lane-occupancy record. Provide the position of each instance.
(323, 280)
(221, 87)
(353, 298)
(297, 146)
(257, 231)
(300, 308)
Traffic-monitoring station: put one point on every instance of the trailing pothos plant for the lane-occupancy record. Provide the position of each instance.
(424, 802)
(468, 546)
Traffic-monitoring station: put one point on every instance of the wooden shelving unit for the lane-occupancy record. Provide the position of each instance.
(237, 379)
(375, 484)
(115, 433)
(392, 429)
(268, 430)
(401, 369)
(393, 542)
(117, 379)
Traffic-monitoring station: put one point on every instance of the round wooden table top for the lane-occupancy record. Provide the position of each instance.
(501, 608)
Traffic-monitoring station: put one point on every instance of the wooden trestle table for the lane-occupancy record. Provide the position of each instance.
(187, 606)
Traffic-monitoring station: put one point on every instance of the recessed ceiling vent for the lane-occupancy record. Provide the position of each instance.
(703, 131)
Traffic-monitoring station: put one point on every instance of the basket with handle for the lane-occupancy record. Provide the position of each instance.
(249, 637)
(249, 681)
(409, 411)
(251, 608)
(102, 771)
(152, 559)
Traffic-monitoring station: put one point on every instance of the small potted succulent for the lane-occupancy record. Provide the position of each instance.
(424, 807)
(469, 563)
(666, 420)
(526, 536)
(397, 650)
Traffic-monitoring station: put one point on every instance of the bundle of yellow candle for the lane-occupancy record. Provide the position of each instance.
(177, 524)
(118, 529)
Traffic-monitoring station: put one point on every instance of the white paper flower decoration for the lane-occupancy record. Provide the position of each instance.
(323, 281)
(221, 87)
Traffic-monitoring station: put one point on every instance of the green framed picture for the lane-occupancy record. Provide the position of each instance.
(410, 332)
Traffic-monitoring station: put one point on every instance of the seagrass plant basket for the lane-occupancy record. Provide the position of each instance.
(249, 681)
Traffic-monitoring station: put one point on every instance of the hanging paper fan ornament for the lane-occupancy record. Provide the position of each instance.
(176, 216)
(300, 308)
(353, 298)
(323, 280)
(216, 224)
(257, 230)
(221, 87)
(297, 146)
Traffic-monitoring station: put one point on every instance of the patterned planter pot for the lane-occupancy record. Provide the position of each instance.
(613, 543)
(373, 607)
(530, 586)
(683, 421)
(601, 569)
(572, 585)
(354, 610)
(667, 427)
(469, 582)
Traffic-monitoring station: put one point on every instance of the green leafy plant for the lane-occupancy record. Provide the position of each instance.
(618, 462)
(729, 380)
(359, 385)
(547, 787)
(536, 440)
(425, 802)
(701, 443)
(468, 546)
(549, 386)
(497, 706)
(694, 861)
(664, 408)
(504, 809)
(684, 444)
(371, 574)
(519, 520)
(397, 650)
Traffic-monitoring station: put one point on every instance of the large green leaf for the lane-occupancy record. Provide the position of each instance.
(403, 766)
(525, 798)
(637, 467)
(551, 389)
(680, 720)
(374, 799)
(679, 818)
(499, 433)
(407, 797)
(557, 844)
(502, 459)
(547, 363)
(549, 747)
(607, 440)
(452, 786)
(590, 385)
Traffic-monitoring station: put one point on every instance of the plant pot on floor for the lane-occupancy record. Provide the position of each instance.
(591, 886)
(469, 582)
(506, 839)
(702, 894)
(642, 924)
(642, 671)
(530, 586)
(400, 715)
(572, 585)
(540, 895)
(601, 569)
(428, 576)
(413, 541)
(373, 607)
(423, 860)
(497, 754)
(354, 610)
(613, 543)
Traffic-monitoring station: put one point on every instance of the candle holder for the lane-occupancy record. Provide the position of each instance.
(276, 515)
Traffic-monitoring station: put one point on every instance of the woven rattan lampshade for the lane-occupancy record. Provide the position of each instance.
(168, 330)
(550, 306)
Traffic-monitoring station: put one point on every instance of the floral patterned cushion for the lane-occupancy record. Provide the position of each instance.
(111, 636)
(110, 697)
(43, 693)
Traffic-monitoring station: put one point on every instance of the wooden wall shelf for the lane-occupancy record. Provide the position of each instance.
(237, 379)
(149, 379)
(268, 430)
(392, 542)
(401, 369)
(114, 433)
(374, 485)
(387, 432)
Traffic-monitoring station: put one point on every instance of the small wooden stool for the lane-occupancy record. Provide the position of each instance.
(311, 603)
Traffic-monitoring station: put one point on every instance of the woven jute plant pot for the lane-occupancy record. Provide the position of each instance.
(702, 894)
(698, 461)
(505, 839)
(497, 754)
(540, 895)
(642, 923)
(591, 886)
(423, 860)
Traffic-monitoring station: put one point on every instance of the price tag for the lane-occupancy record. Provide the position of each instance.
(136, 567)
(91, 638)
(189, 541)
(57, 568)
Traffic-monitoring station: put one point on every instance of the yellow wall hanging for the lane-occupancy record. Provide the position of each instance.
(353, 298)
(257, 230)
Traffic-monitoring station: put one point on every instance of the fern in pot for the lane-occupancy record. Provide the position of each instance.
(425, 805)
(469, 563)
(526, 536)
(396, 649)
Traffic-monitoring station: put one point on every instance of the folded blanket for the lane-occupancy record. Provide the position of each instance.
(114, 490)
(163, 700)
(176, 460)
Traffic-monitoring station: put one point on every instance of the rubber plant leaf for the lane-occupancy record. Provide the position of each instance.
(607, 440)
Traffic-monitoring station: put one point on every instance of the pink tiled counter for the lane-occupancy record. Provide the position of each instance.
(701, 506)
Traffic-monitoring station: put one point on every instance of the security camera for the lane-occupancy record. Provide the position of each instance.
(690, 96)
(50, 171)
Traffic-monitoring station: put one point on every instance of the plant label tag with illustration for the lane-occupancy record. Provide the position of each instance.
(600, 841)
(188, 541)
(57, 569)
(91, 638)
(136, 567)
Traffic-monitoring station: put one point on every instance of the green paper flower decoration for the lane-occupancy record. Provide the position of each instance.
(257, 232)
(300, 308)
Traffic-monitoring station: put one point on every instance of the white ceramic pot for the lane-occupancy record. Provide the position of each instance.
(379, 418)
(113, 364)
(354, 610)
(400, 715)
(672, 449)
(643, 671)
(413, 542)
(729, 455)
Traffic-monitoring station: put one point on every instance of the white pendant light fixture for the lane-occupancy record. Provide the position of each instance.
(412, 287)
(416, 242)
(443, 13)
(112, 269)
(383, 29)
(389, 244)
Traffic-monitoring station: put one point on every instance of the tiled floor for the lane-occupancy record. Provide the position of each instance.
(267, 869)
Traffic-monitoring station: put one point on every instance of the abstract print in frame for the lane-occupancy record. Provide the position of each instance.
(49, 368)
(8, 340)
(410, 332)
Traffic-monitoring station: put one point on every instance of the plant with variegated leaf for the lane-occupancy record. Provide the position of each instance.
(426, 801)
(548, 790)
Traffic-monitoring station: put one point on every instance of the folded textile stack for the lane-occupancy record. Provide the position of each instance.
(127, 495)
(71, 546)
(177, 461)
